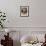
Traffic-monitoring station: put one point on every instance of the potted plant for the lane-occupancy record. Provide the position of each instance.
(2, 19)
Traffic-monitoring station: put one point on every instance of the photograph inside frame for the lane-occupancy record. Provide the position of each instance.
(24, 11)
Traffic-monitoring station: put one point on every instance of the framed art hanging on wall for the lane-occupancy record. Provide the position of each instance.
(24, 11)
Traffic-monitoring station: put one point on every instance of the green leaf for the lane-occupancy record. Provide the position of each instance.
(0, 15)
(3, 19)
(0, 21)
(2, 26)
(4, 16)
(0, 12)
(4, 13)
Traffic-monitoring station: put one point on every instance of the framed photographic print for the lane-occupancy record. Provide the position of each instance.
(24, 11)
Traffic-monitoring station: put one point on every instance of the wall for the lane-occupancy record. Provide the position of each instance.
(37, 13)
